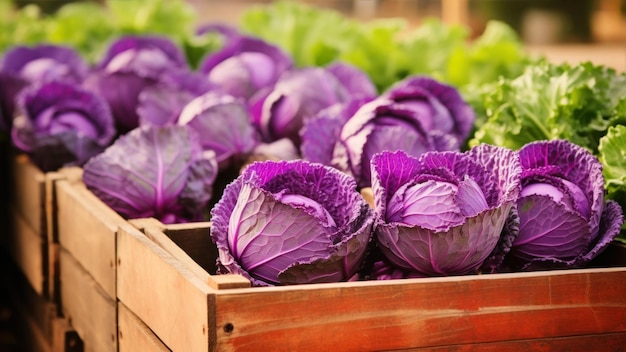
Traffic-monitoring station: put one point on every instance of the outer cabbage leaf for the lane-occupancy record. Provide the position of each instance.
(154, 171)
(224, 126)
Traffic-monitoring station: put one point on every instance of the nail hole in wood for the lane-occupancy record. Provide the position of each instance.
(228, 328)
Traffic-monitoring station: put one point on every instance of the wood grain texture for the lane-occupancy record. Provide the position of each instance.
(29, 192)
(134, 335)
(87, 229)
(29, 251)
(613, 342)
(165, 295)
(88, 308)
(418, 313)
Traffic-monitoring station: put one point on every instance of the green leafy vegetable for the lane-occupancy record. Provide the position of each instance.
(578, 103)
(387, 49)
(612, 152)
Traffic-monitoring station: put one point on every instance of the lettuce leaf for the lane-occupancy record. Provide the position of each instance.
(613, 159)
(548, 101)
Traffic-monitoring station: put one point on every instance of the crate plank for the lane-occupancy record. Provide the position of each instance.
(29, 191)
(423, 312)
(88, 308)
(614, 342)
(134, 335)
(173, 299)
(28, 250)
(87, 229)
(64, 337)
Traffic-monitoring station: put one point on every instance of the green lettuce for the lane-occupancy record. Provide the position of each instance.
(612, 154)
(549, 101)
(90, 27)
(388, 50)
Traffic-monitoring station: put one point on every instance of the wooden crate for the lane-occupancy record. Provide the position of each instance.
(87, 232)
(87, 307)
(32, 241)
(574, 310)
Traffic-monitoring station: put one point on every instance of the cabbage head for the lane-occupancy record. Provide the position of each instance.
(22, 66)
(564, 219)
(154, 171)
(291, 222)
(60, 124)
(443, 213)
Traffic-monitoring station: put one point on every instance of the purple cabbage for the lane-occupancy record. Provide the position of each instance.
(60, 124)
(320, 133)
(300, 94)
(245, 66)
(443, 213)
(291, 222)
(154, 171)
(223, 125)
(438, 107)
(564, 220)
(428, 115)
(22, 66)
(161, 104)
(130, 65)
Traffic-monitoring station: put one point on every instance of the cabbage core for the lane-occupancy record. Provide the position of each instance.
(571, 196)
(436, 204)
(314, 208)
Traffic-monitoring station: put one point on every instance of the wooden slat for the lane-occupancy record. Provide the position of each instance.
(28, 250)
(422, 312)
(134, 335)
(599, 342)
(88, 308)
(87, 229)
(29, 191)
(197, 242)
(64, 337)
(165, 295)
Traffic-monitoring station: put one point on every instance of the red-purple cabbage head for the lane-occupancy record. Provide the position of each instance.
(417, 115)
(21, 66)
(564, 219)
(131, 64)
(154, 171)
(291, 222)
(443, 213)
(302, 93)
(60, 123)
(245, 66)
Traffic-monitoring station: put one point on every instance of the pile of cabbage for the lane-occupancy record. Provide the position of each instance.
(309, 173)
